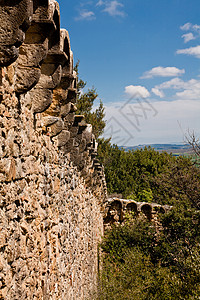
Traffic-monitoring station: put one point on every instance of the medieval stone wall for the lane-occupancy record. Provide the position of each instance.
(52, 187)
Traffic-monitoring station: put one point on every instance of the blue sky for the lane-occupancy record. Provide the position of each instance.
(143, 57)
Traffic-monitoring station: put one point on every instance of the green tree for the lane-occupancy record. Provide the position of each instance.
(139, 263)
(149, 176)
(85, 103)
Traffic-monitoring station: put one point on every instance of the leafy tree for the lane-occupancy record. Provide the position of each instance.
(146, 195)
(150, 176)
(85, 102)
(179, 183)
(139, 263)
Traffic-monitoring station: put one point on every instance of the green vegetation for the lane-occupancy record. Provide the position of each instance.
(140, 261)
(194, 158)
(150, 176)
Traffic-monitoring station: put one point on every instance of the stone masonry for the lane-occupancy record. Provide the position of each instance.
(52, 187)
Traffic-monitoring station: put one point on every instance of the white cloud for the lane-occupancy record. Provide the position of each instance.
(190, 26)
(194, 51)
(192, 93)
(136, 91)
(86, 15)
(177, 83)
(158, 92)
(190, 89)
(186, 26)
(188, 37)
(163, 72)
(112, 7)
(100, 3)
(196, 27)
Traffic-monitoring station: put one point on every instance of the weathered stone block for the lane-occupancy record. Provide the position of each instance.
(41, 99)
(62, 138)
(15, 19)
(27, 77)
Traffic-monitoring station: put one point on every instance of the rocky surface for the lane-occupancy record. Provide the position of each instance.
(52, 189)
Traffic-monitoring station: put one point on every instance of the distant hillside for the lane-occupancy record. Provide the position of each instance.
(169, 148)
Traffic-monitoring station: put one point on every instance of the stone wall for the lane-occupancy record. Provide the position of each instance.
(52, 187)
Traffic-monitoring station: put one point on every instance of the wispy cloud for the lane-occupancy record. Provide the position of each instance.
(188, 37)
(186, 26)
(191, 35)
(188, 90)
(113, 8)
(100, 3)
(137, 91)
(175, 83)
(87, 10)
(190, 26)
(190, 94)
(163, 72)
(85, 14)
(194, 51)
(158, 92)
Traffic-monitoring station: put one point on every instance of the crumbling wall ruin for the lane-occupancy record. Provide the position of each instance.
(116, 210)
(52, 187)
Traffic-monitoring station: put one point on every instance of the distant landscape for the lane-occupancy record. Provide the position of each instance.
(176, 149)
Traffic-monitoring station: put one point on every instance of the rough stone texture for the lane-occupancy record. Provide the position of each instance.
(52, 191)
(15, 19)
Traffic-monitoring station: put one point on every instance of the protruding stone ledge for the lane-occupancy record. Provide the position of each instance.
(15, 20)
(36, 46)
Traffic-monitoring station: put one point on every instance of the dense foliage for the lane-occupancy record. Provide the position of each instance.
(140, 261)
(149, 176)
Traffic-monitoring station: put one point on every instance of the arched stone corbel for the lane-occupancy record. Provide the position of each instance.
(51, 68)
(69, 77)
(80, 143)
(36, 45)
(68, 82)
(51, 99)
(16, 17)
(64, 95)
(59, 54)
(86, 142)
